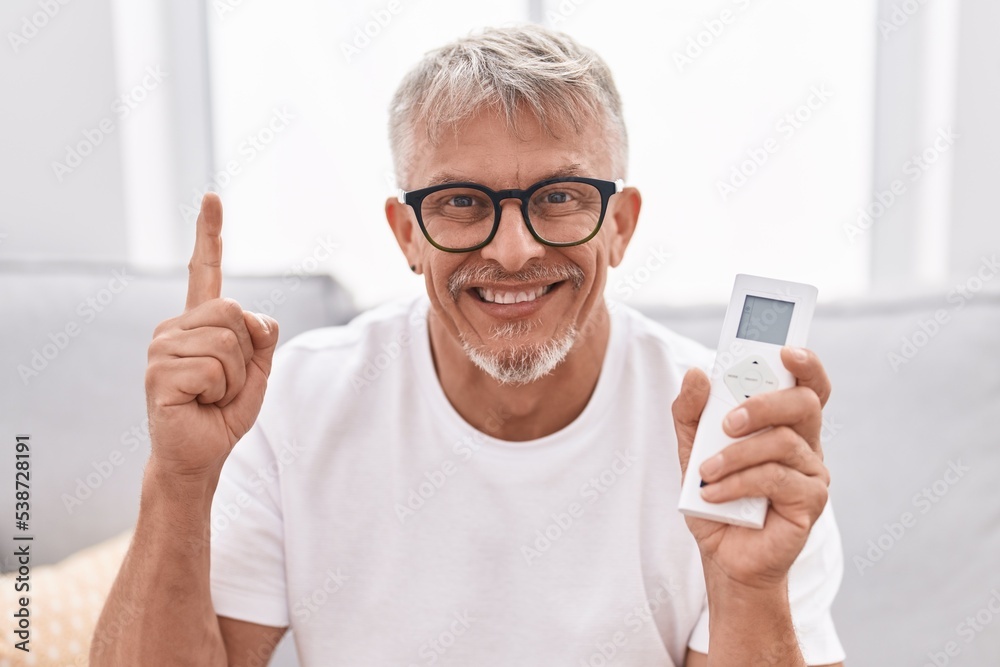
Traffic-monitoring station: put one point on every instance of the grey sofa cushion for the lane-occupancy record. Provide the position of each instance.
(74, 359)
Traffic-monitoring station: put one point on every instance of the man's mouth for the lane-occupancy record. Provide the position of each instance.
(506, 296)
(489, 283)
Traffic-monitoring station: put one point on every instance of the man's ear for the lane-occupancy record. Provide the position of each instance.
(624, 216)
(404, 228)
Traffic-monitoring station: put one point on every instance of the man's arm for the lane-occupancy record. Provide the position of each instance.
(695, 659)
(205, 384)
(159, 610)
(249, 643)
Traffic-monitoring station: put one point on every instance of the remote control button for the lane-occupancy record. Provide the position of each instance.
(751, 380)
(733, 383)
(750, 376)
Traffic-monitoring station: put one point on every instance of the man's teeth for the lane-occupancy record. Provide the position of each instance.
(496, 296)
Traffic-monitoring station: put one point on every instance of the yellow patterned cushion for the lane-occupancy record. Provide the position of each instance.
(65, 602)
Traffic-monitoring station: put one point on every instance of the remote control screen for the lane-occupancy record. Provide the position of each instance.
(765, 320)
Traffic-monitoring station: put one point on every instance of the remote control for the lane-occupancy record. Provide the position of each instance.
(764, 315)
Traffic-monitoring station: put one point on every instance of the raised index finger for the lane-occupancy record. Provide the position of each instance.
(205, 268)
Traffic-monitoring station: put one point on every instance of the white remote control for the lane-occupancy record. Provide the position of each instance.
(763, 316)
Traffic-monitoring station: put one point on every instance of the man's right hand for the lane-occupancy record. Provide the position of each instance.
(208, 367)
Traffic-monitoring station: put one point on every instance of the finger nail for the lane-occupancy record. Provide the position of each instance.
(263, 322)
(711, 466)
(737, 419)
(799, 354)
(709, 492)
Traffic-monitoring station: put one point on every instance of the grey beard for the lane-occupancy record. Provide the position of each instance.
(518, 364)
(522, 364)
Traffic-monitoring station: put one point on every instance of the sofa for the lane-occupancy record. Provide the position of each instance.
(911, 433)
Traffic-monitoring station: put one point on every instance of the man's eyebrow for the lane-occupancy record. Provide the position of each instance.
(573, 169)
(443, 177)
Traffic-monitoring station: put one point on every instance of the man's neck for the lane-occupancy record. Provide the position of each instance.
(525, 412)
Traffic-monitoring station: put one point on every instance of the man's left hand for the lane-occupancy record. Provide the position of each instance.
(783, 463)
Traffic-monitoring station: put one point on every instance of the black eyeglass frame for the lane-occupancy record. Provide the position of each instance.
(414, 199)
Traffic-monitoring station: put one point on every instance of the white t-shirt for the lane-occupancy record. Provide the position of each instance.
(365, 513)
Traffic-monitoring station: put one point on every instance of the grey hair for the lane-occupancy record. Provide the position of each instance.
(506, 70)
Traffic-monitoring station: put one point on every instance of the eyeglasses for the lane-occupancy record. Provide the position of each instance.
(559, 212)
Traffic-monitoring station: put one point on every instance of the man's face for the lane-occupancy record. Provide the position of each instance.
(556, 288)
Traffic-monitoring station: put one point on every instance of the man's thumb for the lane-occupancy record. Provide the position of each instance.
(264, 336)
(687, 410)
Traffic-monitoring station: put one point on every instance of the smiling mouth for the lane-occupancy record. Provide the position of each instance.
(489, 295)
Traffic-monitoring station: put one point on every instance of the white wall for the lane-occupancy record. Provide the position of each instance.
(975, 205)
(125, 83)
(58, 85)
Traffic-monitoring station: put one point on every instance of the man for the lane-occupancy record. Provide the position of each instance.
(503, 490)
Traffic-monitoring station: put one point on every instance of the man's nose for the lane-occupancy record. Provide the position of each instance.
(513, 246)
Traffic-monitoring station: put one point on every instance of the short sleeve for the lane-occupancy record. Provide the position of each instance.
(247, 554)
(813, 582)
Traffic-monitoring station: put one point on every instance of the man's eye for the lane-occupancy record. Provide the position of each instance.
(461, 201)
(556, 198)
